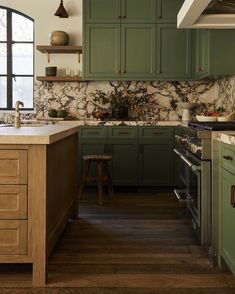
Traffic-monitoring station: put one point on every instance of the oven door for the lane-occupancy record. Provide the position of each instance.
(190, 168)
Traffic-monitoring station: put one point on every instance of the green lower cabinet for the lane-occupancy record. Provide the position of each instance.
(155, 164)
(124, 166)
(173, 52)
(227, 219)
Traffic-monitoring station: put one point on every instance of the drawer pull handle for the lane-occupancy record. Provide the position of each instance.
(93, 133)
(228, 157)
(123, 133)
(233, 196)
(158, 133)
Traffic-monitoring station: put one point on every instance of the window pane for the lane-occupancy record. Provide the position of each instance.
(3, 92)
(3, 59)
(3, 25)
(23, 59)
(22, 28)
(23, 91)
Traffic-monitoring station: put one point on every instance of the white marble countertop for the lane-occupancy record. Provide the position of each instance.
(227, 137)
(38, 134)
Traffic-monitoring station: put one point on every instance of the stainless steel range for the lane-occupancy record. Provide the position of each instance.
(193, 153)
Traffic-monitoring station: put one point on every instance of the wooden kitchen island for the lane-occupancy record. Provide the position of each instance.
(38, 192)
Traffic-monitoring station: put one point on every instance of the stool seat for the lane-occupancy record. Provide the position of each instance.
(102, 177)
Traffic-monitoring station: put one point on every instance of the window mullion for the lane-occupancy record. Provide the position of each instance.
(9, 60)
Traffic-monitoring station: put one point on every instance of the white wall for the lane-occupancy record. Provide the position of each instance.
(45, 22)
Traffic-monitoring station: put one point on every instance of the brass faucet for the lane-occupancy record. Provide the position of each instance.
(17, 113)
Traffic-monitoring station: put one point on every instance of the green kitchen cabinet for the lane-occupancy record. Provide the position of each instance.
(227, 209)
(201, 53)
(116, 11)
(167, 10)
(156, 159)
(122, 142)
(109, 52)
(92, 140)
(102, 11)
(139, 11)
(102, 51)
(173, 52)
(138, 50)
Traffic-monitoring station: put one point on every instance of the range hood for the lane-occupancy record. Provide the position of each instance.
(212, 14)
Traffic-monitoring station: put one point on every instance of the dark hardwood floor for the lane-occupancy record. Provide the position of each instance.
(138, 242)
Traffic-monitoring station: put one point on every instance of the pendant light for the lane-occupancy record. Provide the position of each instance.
(61, 12)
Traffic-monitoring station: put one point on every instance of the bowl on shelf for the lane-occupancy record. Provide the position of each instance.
(100, 115)
(206, 118)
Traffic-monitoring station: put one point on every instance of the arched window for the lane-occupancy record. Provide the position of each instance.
(16, 59)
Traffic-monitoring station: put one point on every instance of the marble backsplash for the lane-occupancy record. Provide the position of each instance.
(161, 98)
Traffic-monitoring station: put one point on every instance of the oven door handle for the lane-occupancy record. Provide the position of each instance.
(195, 168)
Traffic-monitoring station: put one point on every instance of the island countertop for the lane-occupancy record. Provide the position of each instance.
(40, 134)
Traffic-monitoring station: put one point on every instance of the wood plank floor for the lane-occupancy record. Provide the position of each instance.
(138, 242)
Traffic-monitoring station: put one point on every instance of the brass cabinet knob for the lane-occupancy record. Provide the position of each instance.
(118, 71)
(123, 71)
(158, 71)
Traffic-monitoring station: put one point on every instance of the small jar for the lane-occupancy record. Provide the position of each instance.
(59, 38)
(51, 71)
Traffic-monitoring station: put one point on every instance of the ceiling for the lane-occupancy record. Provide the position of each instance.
(212, 14)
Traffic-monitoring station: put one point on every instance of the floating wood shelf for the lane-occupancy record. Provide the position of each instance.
(58, 79)
(60, 50)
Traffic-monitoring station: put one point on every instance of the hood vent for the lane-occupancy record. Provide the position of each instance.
(217, 14)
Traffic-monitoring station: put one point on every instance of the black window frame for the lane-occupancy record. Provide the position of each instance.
(9, 43)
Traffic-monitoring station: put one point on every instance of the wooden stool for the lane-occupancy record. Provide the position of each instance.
(103, 176)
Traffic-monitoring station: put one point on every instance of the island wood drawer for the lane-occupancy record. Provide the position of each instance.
(91, 132)
(13, 202)
(13, 237)
(228, 158)
(13, 167)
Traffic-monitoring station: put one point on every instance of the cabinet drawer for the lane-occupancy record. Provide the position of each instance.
(13, 202)
(13, 167)
(228, 157)
(13, 237)
(156, 133)
(89, 132)
(122, 132)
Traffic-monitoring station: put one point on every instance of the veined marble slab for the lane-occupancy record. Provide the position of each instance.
(227, 137)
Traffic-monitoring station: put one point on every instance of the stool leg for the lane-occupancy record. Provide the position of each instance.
(84, 177)
(109, 181)
(99, 182)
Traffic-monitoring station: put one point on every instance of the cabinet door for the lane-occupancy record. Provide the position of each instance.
(139, 11)
(227, 219)
(156, 165)
(103, 11)
(138, 50)
(222, 48)
(201, 55)
(102, 51)
(173, 52)
(167, 10)
(124, 166)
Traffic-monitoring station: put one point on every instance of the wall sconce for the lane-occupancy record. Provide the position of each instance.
(61, 12)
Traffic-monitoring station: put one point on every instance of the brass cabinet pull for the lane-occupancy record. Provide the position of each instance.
(118, 71)
(233, 196)
(158, 133)
(119, 16)
(93, 133)
(228, 157)
(124, 16)
(201, 69)
(123, 71)
(158, 71)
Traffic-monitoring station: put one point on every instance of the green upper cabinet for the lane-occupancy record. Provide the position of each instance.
(167, 10)
(201, 49)
(103, 11)
(102, 51)
(139, 11)
(138, 50)
(173, 52)
(222, 52)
